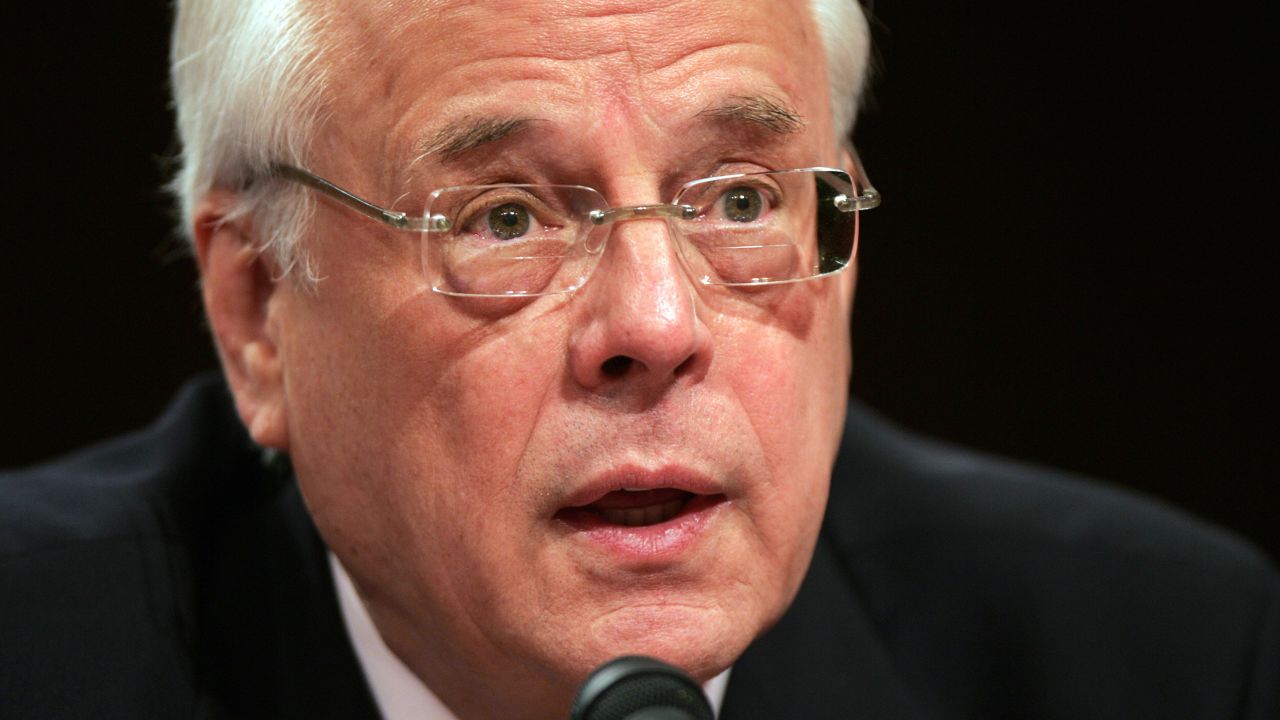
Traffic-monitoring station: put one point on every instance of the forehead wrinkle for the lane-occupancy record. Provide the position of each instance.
(580, 48)
(766, 112)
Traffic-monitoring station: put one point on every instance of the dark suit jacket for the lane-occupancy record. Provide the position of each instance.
(174, 573)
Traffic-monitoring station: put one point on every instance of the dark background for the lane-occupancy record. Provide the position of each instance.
(1074, 265)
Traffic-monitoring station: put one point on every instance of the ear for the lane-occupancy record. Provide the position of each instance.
(240, 290)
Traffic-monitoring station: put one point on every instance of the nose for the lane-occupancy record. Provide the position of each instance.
(640, 330)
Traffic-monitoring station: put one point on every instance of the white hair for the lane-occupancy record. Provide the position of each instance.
(249, 87)
(248, 90)
(847, 42)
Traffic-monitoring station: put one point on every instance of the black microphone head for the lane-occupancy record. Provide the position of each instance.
(634, 687)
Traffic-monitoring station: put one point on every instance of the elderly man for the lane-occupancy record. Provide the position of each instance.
(536, 315)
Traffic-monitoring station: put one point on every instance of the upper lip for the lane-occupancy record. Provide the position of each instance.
(638, 478)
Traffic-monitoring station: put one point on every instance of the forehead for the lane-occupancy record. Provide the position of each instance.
(402, 70)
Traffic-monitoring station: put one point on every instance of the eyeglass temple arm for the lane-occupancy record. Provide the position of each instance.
(395, 219)
(867, 196)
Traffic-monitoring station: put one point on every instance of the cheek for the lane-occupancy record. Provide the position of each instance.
(793, 388)
(403, 415)
(791, 377)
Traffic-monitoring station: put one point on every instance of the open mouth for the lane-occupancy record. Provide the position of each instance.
(637, 508)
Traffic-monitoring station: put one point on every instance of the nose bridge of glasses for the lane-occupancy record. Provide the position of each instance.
(630, 212)
(601, 219)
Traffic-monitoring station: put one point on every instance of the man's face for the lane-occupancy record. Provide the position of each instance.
(468, 459)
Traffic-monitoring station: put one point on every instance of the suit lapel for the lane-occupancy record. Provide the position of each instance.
(273, 639)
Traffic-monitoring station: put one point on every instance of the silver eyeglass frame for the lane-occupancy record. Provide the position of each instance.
(854, 194)
(867, 199)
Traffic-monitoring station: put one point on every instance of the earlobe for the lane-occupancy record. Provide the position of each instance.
(240, 292)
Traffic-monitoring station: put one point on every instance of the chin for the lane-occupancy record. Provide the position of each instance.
(701, 641)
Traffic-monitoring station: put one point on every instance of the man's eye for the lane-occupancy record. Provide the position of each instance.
(742, 204)
(509, 221)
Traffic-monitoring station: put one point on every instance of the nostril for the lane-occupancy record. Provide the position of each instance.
(684, 366)
(616, 366)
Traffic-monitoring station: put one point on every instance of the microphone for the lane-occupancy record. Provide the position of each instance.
(634, 687)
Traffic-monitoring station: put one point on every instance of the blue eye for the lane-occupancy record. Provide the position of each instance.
(742, 204)
(509, 221)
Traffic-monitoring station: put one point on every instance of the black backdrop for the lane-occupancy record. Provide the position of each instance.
(1075, 263)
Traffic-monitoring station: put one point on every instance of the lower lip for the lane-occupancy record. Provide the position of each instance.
(654, 543)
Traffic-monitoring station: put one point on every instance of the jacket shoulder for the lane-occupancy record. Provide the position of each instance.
(134, 486)
(96, 589)
(988, 577)
(890, 487)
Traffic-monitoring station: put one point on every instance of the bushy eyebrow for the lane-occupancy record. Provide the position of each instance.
(470, 133)
(769, 113)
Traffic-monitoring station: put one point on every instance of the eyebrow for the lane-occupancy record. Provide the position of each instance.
(761, 110)
(470, 133)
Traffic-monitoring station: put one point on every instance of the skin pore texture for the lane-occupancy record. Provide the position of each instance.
(443, 443)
